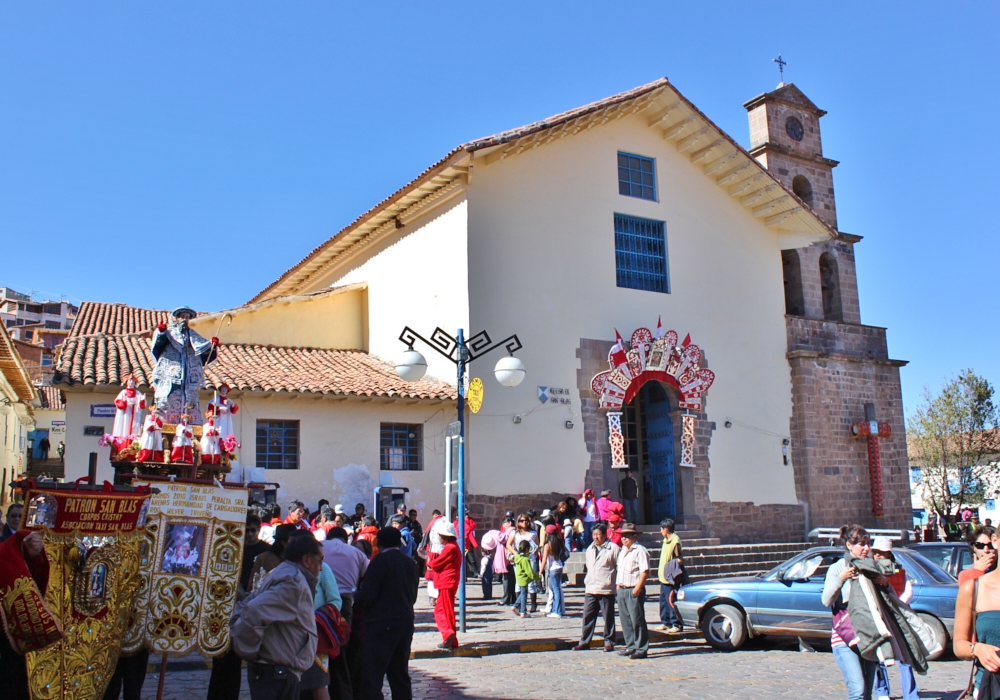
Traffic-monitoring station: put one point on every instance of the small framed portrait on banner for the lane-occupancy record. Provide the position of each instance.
(184, 549)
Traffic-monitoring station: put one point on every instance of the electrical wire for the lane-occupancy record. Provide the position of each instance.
(756, 429)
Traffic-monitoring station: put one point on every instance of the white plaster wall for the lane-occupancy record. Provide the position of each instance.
(339, 442)
(57, 433)
(542, 264)
(417, 279)
(14, 455)
(78, 445)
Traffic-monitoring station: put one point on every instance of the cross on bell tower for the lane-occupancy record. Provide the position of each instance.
(781, 68)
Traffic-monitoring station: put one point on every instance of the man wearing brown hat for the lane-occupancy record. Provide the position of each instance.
(633, 569)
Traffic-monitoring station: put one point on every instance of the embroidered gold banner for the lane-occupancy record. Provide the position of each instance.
(190, 567)
(92, 541)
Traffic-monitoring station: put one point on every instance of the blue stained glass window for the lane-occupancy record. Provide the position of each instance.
(636, 176)
(641, 254)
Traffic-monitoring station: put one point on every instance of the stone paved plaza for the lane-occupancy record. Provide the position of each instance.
(687, 670)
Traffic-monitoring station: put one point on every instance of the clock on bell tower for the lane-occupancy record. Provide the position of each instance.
(785, 138)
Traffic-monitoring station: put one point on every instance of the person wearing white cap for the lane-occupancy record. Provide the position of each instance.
(900, 582)
(446, 566)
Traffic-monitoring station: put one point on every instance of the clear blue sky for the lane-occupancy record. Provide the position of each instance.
(241, 135)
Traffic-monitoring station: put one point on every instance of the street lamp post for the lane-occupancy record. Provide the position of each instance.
(509, 371)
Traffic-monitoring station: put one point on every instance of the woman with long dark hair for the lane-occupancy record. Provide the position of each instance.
(859, 673)
(525, 532)
(552, 565)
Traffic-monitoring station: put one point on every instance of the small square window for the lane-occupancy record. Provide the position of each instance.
(401, 447)
(641, 254)
(636, 177)
(278, 444)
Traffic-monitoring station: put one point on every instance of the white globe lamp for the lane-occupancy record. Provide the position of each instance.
(412, 366)
(509, 371)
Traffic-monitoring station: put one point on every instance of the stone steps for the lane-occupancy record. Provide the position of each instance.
(703, 561)
(50, 467)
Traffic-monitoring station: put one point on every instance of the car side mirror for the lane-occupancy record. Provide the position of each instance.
(802, 569)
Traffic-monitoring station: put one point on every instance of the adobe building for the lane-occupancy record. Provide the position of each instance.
(566, 232)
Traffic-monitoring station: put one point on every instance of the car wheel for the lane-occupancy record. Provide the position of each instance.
(724, 627)
(940, 634)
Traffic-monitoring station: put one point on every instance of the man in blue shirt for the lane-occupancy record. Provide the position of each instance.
(399, 522)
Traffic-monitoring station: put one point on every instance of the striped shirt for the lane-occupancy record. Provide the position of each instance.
(632, 562)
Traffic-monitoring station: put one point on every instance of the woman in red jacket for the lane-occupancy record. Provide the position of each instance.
(446, 566)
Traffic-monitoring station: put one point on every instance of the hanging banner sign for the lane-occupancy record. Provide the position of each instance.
(93, 541)
(190, 568)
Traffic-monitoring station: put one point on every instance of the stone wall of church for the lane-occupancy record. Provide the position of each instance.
(732, 522)
(847, 282)
(830, 465)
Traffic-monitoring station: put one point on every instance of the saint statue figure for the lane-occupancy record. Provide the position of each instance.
(181, 356)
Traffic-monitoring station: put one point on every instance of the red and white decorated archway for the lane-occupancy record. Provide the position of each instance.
(652, 357)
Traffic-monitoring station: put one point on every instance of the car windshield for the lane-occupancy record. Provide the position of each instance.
(829, 556)
(937, 574)
(942, 555)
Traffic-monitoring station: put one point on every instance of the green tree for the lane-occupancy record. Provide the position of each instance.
(952, 438)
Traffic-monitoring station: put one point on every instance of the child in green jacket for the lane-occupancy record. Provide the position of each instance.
(523, 575)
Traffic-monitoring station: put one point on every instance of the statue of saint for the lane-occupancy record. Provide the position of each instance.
(181, 356)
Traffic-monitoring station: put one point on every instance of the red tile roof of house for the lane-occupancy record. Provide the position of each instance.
(108, 360)
(51, 398)
(115, 319)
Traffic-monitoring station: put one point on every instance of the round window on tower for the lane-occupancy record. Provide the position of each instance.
(794, 128)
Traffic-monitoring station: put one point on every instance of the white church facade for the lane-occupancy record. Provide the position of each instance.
(611, 216)
(633, 210)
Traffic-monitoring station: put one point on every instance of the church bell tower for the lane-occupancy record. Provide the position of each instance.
(840, 368)
(785, 138)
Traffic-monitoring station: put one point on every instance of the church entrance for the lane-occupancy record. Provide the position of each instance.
(649, 449)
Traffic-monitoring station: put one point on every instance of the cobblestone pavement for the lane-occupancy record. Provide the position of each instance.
(685, 670)
(490, 623)
(675, 669)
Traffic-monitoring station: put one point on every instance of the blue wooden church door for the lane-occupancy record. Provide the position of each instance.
(660, 455)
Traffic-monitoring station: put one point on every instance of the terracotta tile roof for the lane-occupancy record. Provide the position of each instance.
(471, 146)
(432, 181)
(118, 319)
(51, 398)
(106, 359)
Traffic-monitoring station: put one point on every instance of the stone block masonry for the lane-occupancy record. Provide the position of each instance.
(830, 465)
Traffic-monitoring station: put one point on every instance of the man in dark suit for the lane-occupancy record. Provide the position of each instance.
(13, 523)
(385, 600)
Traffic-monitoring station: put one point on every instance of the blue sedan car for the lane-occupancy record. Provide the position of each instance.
(786, 600)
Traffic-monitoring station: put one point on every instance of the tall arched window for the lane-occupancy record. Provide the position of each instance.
(792, 271)
(829, 277)
(803, 189)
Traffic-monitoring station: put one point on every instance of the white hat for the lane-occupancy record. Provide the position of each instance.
(546, 513)
(443, 527)
(339, 509)
(882, 544)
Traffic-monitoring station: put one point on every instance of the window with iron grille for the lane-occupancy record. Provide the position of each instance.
(402, 447)
(641, 254)
(278, 444)
(636, 176)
